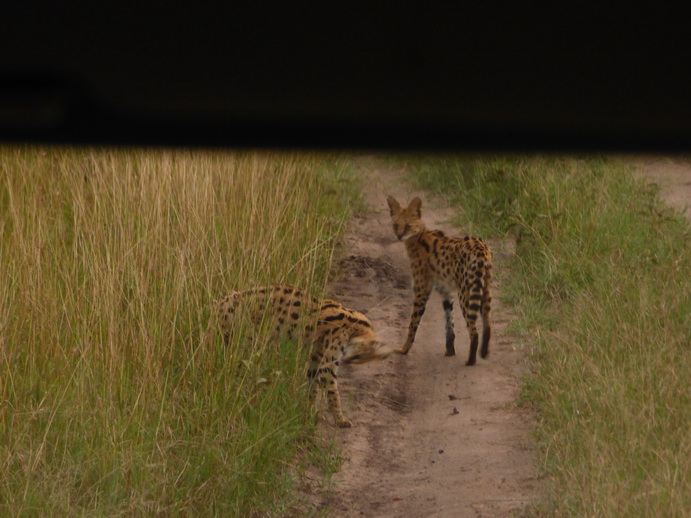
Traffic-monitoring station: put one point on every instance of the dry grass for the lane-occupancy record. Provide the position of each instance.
(111, 402)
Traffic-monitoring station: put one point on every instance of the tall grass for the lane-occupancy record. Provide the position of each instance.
(601, 281)
(111, 401)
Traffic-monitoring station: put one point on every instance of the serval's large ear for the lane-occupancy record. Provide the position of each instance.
(394, 206)
(415, 206)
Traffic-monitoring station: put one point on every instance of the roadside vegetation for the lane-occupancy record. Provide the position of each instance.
(601, 282)
(112, 399)
(115, 399)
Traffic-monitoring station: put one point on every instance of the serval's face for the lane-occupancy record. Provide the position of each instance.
(407, 221)
(366, 348)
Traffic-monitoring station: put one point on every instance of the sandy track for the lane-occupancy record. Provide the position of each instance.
(430, 436)
(672, 175)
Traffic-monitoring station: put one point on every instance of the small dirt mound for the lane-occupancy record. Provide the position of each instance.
(373, 268)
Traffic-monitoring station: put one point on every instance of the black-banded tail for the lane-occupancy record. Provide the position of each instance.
(486, 311)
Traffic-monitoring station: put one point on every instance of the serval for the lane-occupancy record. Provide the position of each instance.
(446, 264)
(336, 334)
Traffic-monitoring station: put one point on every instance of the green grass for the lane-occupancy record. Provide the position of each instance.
(601, 285)
(111, 400)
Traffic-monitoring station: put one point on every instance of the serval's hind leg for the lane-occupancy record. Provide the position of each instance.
(450, 335)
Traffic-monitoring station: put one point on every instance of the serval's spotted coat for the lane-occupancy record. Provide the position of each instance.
(337, 334)
(447, 264)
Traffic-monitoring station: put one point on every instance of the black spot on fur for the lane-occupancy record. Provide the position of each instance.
(358, 321)
(327, 369)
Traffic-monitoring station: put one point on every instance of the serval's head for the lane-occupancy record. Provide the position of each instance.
(406, 222)
(365, 346)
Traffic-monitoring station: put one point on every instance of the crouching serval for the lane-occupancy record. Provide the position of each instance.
(335, 333)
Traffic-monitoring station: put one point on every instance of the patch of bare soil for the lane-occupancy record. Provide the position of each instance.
(431, 437)
(672, 175)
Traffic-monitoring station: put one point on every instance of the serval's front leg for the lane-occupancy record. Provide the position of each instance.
(327, 375)
(421, 295)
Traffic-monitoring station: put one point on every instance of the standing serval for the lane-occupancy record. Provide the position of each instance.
(447, 264)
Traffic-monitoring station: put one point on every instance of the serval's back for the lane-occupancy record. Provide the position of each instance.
(447, 264)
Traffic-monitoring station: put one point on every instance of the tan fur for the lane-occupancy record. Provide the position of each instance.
(337, 334)
(447, 264)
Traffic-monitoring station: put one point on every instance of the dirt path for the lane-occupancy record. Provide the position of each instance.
(673, 175)
(431, 437)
